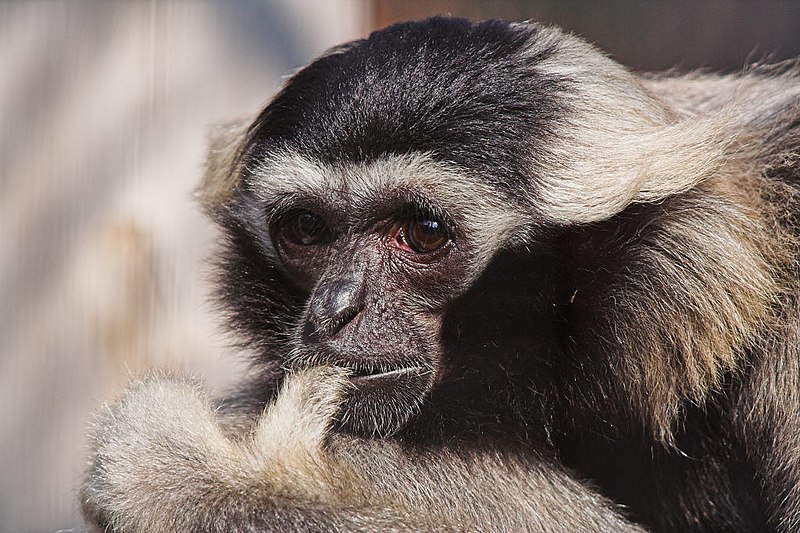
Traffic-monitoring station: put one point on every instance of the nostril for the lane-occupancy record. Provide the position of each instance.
(314, 330)
(344, 317)
(333, 306)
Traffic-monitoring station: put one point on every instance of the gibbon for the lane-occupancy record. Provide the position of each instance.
(491, 281)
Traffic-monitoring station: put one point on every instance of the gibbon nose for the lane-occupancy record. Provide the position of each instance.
(333, 305)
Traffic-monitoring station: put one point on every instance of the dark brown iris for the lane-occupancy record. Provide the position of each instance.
(304, 228)
(425, 235)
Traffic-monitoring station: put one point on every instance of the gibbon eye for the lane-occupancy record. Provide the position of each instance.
(305, 228)
(424, 235)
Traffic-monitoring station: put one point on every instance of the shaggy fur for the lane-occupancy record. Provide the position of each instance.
(608, 340)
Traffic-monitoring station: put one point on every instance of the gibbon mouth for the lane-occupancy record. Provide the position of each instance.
(385, 378)
(384, 400)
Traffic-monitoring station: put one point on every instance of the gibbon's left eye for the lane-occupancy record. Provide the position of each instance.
(423, 235)
(305, 228)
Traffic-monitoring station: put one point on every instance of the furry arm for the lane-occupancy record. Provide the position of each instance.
(161, 462)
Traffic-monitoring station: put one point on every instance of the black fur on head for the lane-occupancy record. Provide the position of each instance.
(468, 94)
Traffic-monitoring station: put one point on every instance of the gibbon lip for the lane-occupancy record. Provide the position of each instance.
(385, 376)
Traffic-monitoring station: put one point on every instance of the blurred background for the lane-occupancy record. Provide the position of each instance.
(104, 109)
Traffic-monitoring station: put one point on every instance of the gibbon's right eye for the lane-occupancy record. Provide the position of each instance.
(425, 235)
(304, 228)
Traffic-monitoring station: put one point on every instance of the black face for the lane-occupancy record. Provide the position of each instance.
(366, 307)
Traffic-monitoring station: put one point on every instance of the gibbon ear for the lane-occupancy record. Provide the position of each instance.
(222, 164)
